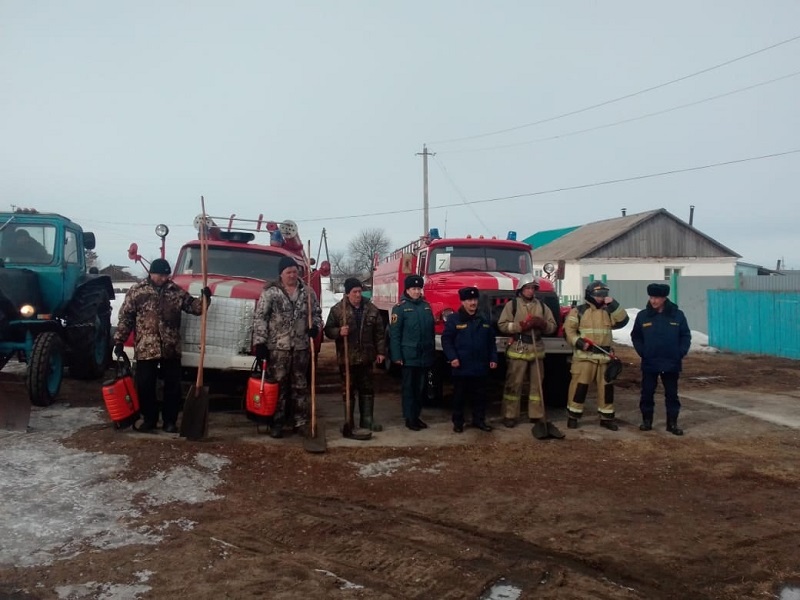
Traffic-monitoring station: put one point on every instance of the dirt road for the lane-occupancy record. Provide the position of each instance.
(433, 514)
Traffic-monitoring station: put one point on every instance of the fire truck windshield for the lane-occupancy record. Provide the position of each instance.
(478, 258)
(232, 262)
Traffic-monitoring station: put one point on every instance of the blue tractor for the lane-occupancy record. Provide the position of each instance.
(54, 312)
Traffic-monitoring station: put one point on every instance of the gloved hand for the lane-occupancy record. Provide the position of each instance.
(119, 350)
(261, 352)
(583, 344)
(526, 325)
(313, 331)
(539, 323)
(206, 291)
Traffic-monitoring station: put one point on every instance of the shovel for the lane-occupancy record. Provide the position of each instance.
(349, 429)
(614, 368)
(315, 442)
(194, 424)
(15, 409)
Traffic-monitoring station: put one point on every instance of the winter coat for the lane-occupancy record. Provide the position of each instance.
(662, 339)
(411, 333)
(365, 340)
(593, 323)
(154, 315)
(282, 324)
(471, 340)
(526, 345)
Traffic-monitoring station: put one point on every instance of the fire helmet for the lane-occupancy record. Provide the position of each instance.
(596, 289)
(527, 279)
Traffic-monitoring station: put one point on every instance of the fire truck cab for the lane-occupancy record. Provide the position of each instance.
(492, 265)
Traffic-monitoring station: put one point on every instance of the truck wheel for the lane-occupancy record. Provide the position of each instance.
(46, 368)
(89, 332)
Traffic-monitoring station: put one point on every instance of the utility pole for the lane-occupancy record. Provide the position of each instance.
(425, 154)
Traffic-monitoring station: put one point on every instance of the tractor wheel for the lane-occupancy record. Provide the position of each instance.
(89, 333)
(45, 368)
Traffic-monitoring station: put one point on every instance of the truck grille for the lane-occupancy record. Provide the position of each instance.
(229, 328)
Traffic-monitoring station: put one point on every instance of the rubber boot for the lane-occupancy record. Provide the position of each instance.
(366, 409)
(572, 423)
(609, 424)
(672, 426)
(647, 422)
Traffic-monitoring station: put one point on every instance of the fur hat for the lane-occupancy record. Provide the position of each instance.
(658, 290)
(413, 281)
(160, 267)
(468, 292)
(285, 263)
(351, 283)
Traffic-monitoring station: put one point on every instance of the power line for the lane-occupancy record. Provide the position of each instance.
(460, 193)
(623, 121)
(619, 98)
(563, 189)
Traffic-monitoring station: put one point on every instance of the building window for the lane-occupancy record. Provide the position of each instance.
(670, 271)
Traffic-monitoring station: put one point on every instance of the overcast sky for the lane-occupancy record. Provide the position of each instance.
(120, 115)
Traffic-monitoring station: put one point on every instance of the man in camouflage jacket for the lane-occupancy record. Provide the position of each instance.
(152, 310)
(282, 336)
(358, 320)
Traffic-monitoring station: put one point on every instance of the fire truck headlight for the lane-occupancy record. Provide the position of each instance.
(162, 230)
(27, 311)
(549, 268)
(445, 314)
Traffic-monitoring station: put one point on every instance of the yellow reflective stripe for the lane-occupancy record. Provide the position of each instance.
(586, 331)
(591, 356)
(535, 399)
(607, 411)
(524, 355)
(511, 398)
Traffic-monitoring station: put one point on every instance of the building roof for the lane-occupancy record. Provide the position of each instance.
(542, 238)
(606, 239)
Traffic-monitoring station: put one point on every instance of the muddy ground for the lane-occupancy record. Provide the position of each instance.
(434, 515)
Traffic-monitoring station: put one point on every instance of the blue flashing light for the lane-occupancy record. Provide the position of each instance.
(275, 238)
(512, 235)
(434, 233)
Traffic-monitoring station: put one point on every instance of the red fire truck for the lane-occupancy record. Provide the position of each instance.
(238, 267)
(492, 265)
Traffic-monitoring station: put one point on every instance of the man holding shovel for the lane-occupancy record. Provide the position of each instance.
(356, 327)
(525, 319)
(282, 336)
(152, 309)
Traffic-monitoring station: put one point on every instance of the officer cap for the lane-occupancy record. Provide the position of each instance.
(468, 292)
(413, 281)
(658, 290)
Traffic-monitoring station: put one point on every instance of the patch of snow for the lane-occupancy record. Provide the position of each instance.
(502, 591)
(101, 591)
(623, 336)
(59, 500)
(343, 583)
(384, 468)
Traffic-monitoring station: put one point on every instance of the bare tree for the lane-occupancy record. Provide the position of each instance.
(364, 247)
(341, 268)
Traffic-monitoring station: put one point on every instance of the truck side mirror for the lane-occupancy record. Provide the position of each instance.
(88, 240)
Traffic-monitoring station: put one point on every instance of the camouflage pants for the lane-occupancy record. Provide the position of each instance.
(290, 369)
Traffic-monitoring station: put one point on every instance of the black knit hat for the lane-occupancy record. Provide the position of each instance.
(413, 281)
(658, 290)
(160, 267)
(351, 283)
(285, 263)
(468, 292)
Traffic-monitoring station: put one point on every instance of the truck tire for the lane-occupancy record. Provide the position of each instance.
(46, 369)
(89, 332)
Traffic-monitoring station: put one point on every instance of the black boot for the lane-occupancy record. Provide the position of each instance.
(609, 424)
(366, 409)
(572, 423)
(539, 429)
(647, 422)
(672, 426)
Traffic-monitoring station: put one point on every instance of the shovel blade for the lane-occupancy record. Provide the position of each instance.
(316, 443)
(15, 412)
(194, 424)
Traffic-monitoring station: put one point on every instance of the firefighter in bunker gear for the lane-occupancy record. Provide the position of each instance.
(413, 343)
(152, 310)
(358, 320)
(525, 319)
(586, 326)
(281, 331)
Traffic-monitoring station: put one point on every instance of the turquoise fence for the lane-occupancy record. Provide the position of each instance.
(755, 322)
